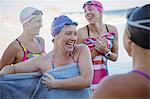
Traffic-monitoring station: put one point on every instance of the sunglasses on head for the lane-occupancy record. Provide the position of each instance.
(91, 3)
(74, 23)
(37, 12)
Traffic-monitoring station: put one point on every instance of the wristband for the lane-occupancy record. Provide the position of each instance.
(108, 54)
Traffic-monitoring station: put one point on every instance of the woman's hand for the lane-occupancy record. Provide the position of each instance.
(48, 81)
(8, 69)
(101, 45)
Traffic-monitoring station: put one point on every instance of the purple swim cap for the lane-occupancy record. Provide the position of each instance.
(59, 22)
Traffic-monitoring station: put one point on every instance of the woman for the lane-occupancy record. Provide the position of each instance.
(65, 54)
(27, 45)
(102, 40)
(135, 84)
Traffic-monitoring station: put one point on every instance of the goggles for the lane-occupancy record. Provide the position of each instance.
(92, 3)
(37, 12)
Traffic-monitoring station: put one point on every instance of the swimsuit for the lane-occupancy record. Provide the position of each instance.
(100, 61)
(147, 76)
(28, 54)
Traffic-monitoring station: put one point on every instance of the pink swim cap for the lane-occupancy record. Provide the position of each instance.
(94, 3)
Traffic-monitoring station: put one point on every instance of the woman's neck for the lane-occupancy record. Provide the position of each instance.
(97, 27)
(142, 62)
(61, 54)
(27, 36)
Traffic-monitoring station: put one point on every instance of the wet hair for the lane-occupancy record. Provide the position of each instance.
(138, 25)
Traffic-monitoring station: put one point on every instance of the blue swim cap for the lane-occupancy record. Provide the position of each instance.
(59, 22)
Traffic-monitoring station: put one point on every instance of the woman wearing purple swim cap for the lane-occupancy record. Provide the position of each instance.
(102, 40)
(27, 45)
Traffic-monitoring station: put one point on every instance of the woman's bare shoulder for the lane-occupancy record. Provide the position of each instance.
(82, 28)
(111, 28)
(13, 47)
(116, 85)
(81, 46)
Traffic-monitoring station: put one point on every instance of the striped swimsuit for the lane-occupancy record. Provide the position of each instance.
(100, 61)
(28, 54)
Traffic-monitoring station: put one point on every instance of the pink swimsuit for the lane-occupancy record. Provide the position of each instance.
(100, 61)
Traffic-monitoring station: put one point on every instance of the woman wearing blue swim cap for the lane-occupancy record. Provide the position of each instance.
(68, 64)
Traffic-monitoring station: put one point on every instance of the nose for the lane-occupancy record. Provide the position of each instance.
(40, 25)
(74, 37)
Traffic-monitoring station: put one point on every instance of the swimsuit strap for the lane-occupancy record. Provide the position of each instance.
(141, 73)
(23, 48)
(40, 45)
(106, 28)
(88, 31)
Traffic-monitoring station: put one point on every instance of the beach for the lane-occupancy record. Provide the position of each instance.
(11, 28)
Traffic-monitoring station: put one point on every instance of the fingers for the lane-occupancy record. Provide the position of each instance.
(47, 80)
(49, 76)
(101, 46)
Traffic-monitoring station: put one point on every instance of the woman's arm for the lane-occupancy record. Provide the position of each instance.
(102, 48)
(82, 81)
(80, 36)
(9, 55)
(114, 51)
(30, 65)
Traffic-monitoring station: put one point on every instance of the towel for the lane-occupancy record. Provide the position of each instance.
(28, 85)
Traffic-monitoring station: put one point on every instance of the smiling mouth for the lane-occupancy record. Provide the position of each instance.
(71, 44)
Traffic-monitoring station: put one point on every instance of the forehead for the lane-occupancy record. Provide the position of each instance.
(89, 7)
(37, 17)
(68, 28)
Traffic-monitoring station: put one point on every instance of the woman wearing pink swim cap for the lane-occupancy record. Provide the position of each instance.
(102, 40)
(27, 45)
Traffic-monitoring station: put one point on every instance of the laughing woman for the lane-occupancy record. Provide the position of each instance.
(102, 40)
(66, 54)
(27, 45)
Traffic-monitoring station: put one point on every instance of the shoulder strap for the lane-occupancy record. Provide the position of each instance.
(40, 44)
(23, 48)
(106, 28)
(38, 40)
(88, 31)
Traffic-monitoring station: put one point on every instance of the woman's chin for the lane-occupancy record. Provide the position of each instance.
(69, 49)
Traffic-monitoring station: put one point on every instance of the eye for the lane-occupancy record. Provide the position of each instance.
(89, 8)
(75, 33)
(68, 33)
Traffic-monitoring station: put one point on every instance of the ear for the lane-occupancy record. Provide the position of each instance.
(129, 43)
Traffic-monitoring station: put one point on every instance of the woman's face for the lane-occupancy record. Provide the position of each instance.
(67, 37)
(35, 24)
(92, 14)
